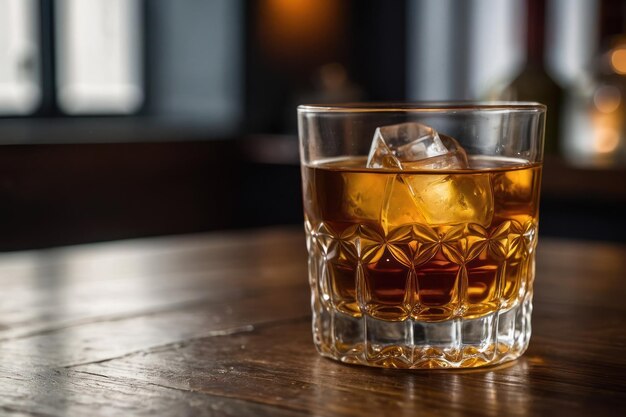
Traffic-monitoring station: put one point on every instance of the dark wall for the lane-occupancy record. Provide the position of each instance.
(63, 194)
(367, 39)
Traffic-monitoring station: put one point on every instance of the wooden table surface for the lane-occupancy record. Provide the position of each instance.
(219, 324)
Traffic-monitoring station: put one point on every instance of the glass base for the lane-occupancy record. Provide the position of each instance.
(459, 343)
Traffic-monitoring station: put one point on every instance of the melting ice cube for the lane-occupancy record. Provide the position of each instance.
(414, 146)
(446, 198)
(382, 199)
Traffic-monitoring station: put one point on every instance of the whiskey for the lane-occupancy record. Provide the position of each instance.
(421, 245)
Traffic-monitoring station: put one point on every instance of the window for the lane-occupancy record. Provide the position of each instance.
(20, 86)
(98, 56)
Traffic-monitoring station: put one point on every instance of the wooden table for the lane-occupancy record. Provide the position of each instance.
(219, 324)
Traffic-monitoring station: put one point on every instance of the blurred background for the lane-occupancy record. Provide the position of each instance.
(129, 118)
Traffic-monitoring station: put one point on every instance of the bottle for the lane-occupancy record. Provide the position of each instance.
(533, 83)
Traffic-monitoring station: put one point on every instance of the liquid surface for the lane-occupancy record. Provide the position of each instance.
(425, 245)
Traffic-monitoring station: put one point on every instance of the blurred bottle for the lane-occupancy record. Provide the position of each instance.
(595, 109)
(534, 83)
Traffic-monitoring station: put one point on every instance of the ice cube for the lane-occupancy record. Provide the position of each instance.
(379, 199)
(446, 198)
(453, 198)
(414, 146)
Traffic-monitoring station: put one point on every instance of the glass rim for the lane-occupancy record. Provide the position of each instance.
(424, 107)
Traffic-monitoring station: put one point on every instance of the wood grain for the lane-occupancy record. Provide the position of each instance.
(218, 324)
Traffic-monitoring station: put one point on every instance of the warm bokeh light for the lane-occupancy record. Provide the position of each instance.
(618, 60)
(296, 32)
(606, 119)
(606, 139)
(607, 99)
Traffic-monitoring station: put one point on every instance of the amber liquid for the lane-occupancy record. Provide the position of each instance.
(422, 245)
